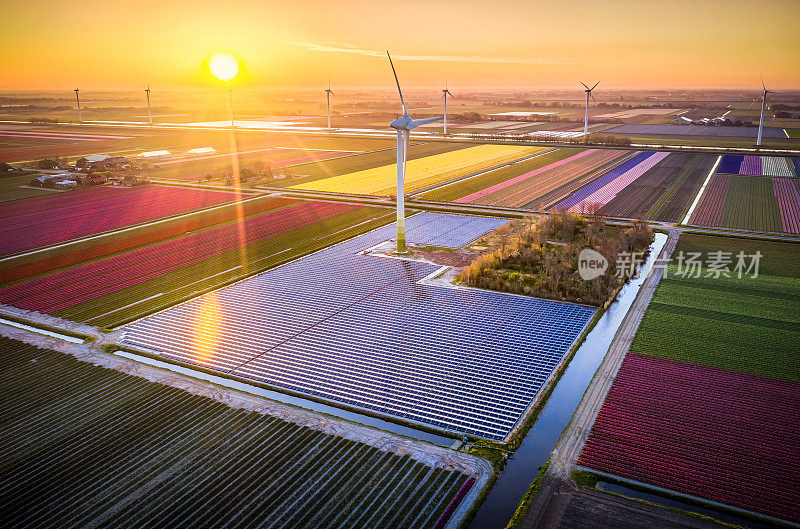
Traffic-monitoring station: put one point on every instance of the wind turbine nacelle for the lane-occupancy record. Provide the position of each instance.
(407, 123)
(401, 123)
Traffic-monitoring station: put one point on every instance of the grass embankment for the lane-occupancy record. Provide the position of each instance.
(118, 450)
(540, 258)
(749, 324)
(528, 499)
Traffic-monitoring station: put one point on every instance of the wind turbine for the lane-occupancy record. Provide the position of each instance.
(403, 125)
(446, 93)
(78, 99)
(149, 114)
(328, 93)
(763, 107)
(586, 119)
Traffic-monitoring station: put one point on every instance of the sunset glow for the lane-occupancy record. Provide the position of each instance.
(509, 43)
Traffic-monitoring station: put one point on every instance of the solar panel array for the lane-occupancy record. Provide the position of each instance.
(448, 231)
(359, 330)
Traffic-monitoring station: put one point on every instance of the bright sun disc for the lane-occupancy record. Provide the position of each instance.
(223, 66)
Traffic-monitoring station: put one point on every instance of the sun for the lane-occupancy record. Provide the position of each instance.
(223, 66)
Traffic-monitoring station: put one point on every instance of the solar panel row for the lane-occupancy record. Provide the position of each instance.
(359, 330)
(449, 231)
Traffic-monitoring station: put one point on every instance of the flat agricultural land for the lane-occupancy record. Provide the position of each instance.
(35, 222)
(525, 182)
(88, 446)
(697, 130)
(743, 195)
(365, 331)
(157, 273)
(747, 324)
(285, 154)
(311, 171)
(422, 172)
(600, 191)
(665, 191)
(706, 402)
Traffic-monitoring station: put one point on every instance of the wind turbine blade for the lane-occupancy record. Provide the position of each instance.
(396, 80)
(584, 84)
(595, 85)
(414, 123)
(591, 94)
(762, 81)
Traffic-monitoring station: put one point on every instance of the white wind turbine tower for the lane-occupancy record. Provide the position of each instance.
(446, 93)
(763, 108)
(403, 125)
(586, 119)
(78, 99)
(328, 93)
(149, 114)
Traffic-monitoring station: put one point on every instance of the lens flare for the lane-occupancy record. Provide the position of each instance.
(223, 66)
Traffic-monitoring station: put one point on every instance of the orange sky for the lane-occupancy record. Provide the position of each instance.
(61, 44)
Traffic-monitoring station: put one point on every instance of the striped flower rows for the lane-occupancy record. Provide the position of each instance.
(601, 191)
(28, 224)
(710, 211)
(521, 178)
(703, 431)
(756, 166)
(69, 287)
(786, 191)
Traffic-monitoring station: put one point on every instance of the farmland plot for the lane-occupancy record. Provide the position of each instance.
(463, 188)
(106, 290)
(88, 446)
(749, 324)
(707, 398)
(665, 191)
(35, 222)
(601, 191)
(422, 172)
(749, 203)
(537, 182)
(308, 172)
(718, 434)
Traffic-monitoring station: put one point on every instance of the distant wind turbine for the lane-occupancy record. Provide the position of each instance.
(586, 119)
(149, 114)
(763, 107)
(446, 93)
(78, 99)
(403, 125)
(328, 93)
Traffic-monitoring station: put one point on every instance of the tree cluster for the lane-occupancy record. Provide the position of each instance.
(540, 257)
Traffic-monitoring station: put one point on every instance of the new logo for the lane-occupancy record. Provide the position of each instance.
(591, 264)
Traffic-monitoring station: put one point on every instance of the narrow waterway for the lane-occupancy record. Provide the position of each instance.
(535, 450)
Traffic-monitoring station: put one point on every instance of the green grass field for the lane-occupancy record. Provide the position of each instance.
(87, 446)
(10, 188)
(749, 324)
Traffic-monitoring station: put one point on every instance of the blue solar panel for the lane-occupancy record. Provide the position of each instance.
(361, 330)
(448, 231)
